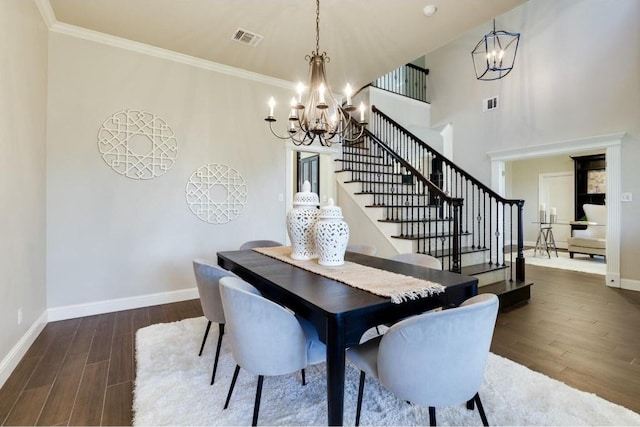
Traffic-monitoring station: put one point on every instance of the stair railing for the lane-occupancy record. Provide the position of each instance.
(428, 215)
(408, 80)
(485, 217)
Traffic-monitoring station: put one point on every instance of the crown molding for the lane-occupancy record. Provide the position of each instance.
(48, 16)
(106, 39)
(569, 146)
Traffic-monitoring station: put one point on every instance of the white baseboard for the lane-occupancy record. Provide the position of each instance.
(9, 363)
(632, 285)
(11, 360)
(108, 306)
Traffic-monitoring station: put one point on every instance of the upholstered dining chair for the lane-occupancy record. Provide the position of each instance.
(433, 359)
(362, 249)
(266, 338)
(419, 259)
(207, 279)
(259, 244)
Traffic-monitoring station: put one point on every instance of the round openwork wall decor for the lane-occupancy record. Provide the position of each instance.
(216, 193)
(137, 144)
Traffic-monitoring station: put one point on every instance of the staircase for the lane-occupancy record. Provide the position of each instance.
(422, 202)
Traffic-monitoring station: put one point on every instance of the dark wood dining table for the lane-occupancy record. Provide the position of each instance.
(341, 313)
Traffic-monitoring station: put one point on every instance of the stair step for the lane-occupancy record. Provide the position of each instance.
(359, 155)
(472, 270)
(510, 294)
(399, 206)
(355, 146)
(369, 181)
(380, 193)
(370, 172)
(417, 221)
(468, 270)
(428, 236)
(377, 165)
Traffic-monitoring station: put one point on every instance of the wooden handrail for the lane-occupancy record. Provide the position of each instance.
(448, 162)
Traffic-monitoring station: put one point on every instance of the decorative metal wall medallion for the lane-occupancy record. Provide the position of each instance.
(216, 193)
(137, 144)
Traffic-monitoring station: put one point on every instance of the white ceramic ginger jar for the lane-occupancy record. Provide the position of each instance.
(332, 235)
(301, 221)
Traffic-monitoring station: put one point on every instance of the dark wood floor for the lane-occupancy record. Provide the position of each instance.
(574, 329)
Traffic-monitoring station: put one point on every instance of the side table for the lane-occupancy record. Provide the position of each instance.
(545, 242)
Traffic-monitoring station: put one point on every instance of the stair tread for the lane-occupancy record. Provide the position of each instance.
(374, 172)
(400, 206)
(355, 145)
(379, 193)
(364, 163)
(504, 286)
(471, 270)
(441, 253)
(429, 236)
(359, 181)
(373, 156)
(406, 221)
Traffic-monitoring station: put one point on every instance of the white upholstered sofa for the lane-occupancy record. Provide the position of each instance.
(592, 240)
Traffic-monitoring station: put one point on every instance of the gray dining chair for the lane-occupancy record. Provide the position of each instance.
(266, 338)
(419, 259)
(433, 359)
(362, 249)
(207, 279)
(259, 244)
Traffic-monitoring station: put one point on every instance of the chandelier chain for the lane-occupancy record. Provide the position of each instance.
(317, 27)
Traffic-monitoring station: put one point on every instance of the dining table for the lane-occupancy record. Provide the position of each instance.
(342, 313)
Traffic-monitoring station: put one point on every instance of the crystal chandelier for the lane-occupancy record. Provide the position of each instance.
(494, 55)
(320, 116)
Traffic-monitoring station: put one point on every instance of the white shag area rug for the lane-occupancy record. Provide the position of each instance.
(580, 262)
(172, 388)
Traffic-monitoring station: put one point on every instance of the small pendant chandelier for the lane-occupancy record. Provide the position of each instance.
(320, 116)
(494, 55)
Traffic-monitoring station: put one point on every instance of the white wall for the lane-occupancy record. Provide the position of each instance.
(523, 183)
(110, 237)
(23, 100)
(411, 114)
(577, 75)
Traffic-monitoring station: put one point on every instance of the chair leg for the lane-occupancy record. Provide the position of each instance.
(483, 416)
(432, 416)
(215, 361)
(233, 384)
(304, 380)
(204, 340)
(256, 405)
(360, 393)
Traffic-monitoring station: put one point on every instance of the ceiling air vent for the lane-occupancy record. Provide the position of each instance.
(246, 37)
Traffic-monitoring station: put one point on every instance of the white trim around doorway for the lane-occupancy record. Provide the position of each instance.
(611, 143)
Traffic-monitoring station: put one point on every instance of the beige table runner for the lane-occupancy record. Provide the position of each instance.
(383, 283)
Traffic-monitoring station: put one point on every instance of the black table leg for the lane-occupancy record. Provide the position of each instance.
(335, 372)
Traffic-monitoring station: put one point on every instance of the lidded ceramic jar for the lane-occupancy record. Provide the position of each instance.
(301, 221)
(332, 235)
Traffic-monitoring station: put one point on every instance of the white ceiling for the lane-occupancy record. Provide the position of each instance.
(364, 38)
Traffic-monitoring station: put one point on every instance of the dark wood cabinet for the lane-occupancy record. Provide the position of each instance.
(590, 182)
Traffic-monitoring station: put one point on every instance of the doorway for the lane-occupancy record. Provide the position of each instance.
(554, 189)
(611, 145)
(309, 170)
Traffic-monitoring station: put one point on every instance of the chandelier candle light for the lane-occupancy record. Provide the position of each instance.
(320, 116)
